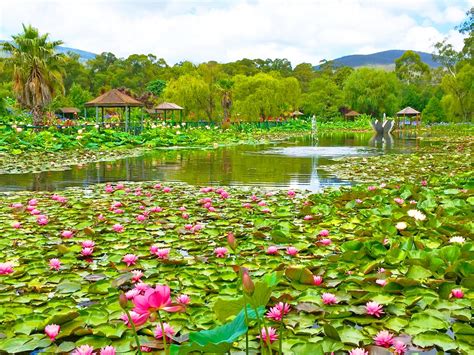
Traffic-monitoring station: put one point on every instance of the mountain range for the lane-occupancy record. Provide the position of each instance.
(385, 59)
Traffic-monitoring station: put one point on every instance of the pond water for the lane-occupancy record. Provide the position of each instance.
(299, 163)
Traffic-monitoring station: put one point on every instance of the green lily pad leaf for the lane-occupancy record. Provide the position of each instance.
(68, 287)
(417, 272)
(299, 274)
(428, 339)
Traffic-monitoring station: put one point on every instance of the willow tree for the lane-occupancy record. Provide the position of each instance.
(36, 70)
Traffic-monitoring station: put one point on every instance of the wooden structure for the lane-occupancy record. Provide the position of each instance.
(115, 99)
(165, 107)
(351, 115)
(68, 112)
(410, 113)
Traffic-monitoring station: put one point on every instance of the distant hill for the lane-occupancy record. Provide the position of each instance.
(385, 59)
(83, 55)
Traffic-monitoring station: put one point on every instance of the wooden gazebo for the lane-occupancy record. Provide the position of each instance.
(169, 106)
(68, 112)
(410, 113)
(351, 115)
(115, 99)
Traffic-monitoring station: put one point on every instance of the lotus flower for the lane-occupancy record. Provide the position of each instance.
(457, 293)
(108, 350)
(384, 338)
(183, 299)
(220, 252)
(400, 347)
(292, 251)
(35, 212)
(262, 203)
(42, 220)
(52, 331)
(141, 218)
(308, 217)
(317, 280)
(277, 312)
(155, 299)
(381, 282)
(67, 234)
(33, 202)
(88, 244)
(417, 215)
(6, 268)
(399, 200)
(130, 259)
(54, 264)
(120, 186)
(272, 335)
(118, 228)
(137, 318)
(374, 309)
(272, 250)
(169, 331)
(325, 241)
(166, 189)
(291, 193)
(154, 249)
(163, 253)
(142, 287)
(109, 189)
(401, 226)
(83, 350)
(132, 293)
(324, 233)
(358, 351)
(329, 298)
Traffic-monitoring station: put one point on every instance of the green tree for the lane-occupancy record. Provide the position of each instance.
(372, 91)
(458, 101)
(324, 98)
(78, 96)
(410, 69)
(36, 70)
(304, 72)
(156, 87)
(434, 111)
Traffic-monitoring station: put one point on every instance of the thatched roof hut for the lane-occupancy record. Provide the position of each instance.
(408, 111)
(68, 112)
(114, 98)
(351, 114)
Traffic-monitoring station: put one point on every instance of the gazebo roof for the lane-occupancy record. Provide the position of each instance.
(352, 114)
(297, 113)
(408, 111)
(69, 110)
(168, 106)
(114, 98)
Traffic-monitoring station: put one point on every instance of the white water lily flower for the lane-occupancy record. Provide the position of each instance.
(457, 239)
(416, 215)
(401, 226)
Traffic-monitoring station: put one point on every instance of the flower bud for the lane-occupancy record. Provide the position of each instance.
(123, 301)
(232, 241)
(247, 283)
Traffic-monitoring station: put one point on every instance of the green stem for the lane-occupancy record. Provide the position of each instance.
(269, 344)
(134, 331)
(247, 332)
(163, 333)
(280, 341)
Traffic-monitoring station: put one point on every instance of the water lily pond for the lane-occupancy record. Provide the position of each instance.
(386, 268)
(301, 163)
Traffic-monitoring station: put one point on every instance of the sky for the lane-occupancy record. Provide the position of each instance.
(228, 30)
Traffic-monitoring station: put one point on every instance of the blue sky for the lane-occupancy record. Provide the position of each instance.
(226, 30)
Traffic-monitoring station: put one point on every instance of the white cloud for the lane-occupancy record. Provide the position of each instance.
(228, 30)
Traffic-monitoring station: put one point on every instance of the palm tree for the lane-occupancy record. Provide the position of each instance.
(36, 70)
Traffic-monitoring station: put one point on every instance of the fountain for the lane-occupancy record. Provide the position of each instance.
(314, 131)
(383, 126)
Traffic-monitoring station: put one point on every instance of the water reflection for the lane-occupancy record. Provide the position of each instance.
(295, 164)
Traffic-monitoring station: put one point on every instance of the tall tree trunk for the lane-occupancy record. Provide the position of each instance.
(37, 116)
(226, 103)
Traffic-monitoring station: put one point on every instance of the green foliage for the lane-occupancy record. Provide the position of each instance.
(156, 87)
(434, 111)
(324, 98)
(372, 91)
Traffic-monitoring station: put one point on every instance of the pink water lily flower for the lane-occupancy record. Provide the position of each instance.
(169, 331)
(33, 202)
(141, 218)
(6, 268)
(399, 200)
(67, 234)
(87, 251)
(137, 318)
(317, 280)
(35, 212)
(291, 193)
(54, 264)
(277, 312)
(166, 189)
(88, 244)
(324, 233)
(109, 189)
(132, 293)
(16, 225)
(108, 350)
(52, 331)
(308, 217)
(155, 299)
(137, 275)
(325, 241)
(17, 205)
(188, 227)
(272, 250)
(271, 337)
(42, 220)
(384, 338)
(292, 251)
(358, 351)
(220, 252)
(374, 309)
(154, 248)
(156, 209)
(118, 228)
(84, 350)
(400, 347)
(457, 293)
(381, 282)
(163, 253)
(262, 203)
(130, 259)
(329, 298)
(183, 299)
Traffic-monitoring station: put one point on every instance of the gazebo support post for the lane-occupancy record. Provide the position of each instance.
(126, 118)
(97, 114)
(141, 121)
